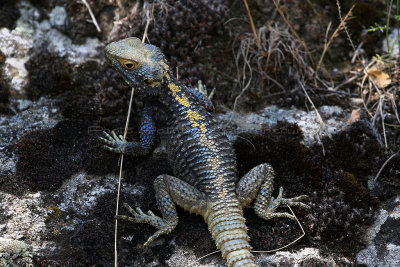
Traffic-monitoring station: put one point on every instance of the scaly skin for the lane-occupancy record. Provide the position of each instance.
(202, 158)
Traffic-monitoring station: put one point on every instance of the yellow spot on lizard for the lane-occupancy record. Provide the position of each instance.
(214, 162)
(181, 99)
(219, 182)
(194, 117)
(174, 88)
(203, 127)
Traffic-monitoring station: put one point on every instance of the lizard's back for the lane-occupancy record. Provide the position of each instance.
(199, 151)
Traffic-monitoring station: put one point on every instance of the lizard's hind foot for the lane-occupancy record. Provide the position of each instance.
(266, 210)
(163, 226)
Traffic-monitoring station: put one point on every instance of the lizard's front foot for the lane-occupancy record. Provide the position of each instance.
(163, 226)
(114, 143)
(268, 211)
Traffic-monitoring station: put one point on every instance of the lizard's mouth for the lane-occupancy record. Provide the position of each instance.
(108, 58)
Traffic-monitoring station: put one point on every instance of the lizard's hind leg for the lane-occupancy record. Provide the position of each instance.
(257, 185)
(168, 189)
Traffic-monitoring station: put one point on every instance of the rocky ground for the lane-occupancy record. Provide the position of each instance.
(320, 125)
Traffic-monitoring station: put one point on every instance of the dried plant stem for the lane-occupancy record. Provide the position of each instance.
(91, 15)
(119, 182)
(382, 118)
(122, 161)
(321, 122)
(291, 243)
(294, 32)
(345, 28)
(246, 64)
(384, 164)
(252, 24)
(326, 46)
(148, 19)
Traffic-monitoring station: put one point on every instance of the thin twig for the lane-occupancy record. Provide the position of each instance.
(383, 119)
(205, 256)
(294, 32)
(246, 63)
(91, 15)
(291, 243)
(316, 110)
(120, 176)
(394, 107)
(357, 53)
(337, 92)
(119, 182)
(341, 25)
(148, 18)
(252, 24)
(345, 28)
(384, 164)
(347, 81)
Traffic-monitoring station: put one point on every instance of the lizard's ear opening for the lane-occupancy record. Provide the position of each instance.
(128, 64)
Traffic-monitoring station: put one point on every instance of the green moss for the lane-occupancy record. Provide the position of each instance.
(55, 213)
(354, 151)
(48, 75)
(9, 13)
(354, 188)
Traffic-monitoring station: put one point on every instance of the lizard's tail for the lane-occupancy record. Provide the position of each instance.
(229, 231)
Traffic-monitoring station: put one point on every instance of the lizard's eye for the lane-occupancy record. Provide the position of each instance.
(128, 64)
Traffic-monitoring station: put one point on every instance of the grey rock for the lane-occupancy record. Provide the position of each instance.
(59, 18)
(14, 253)
(383, 240)
(393, 43)
(334, 119)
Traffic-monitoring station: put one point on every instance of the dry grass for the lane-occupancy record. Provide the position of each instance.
(341, 26)
(380, 93)
(274, 60)
(268, 64)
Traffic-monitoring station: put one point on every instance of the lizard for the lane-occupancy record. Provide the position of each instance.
(202, 157)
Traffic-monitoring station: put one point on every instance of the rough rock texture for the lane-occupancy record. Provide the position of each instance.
(383, 247)
(308, 123)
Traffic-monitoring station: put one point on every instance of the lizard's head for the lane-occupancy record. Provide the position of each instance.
(141, 65)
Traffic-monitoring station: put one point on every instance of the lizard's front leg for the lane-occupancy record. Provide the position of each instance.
(258, 184)
(168, 190)
(118, 144)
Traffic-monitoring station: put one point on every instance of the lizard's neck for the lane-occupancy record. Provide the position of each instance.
(174, 95)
